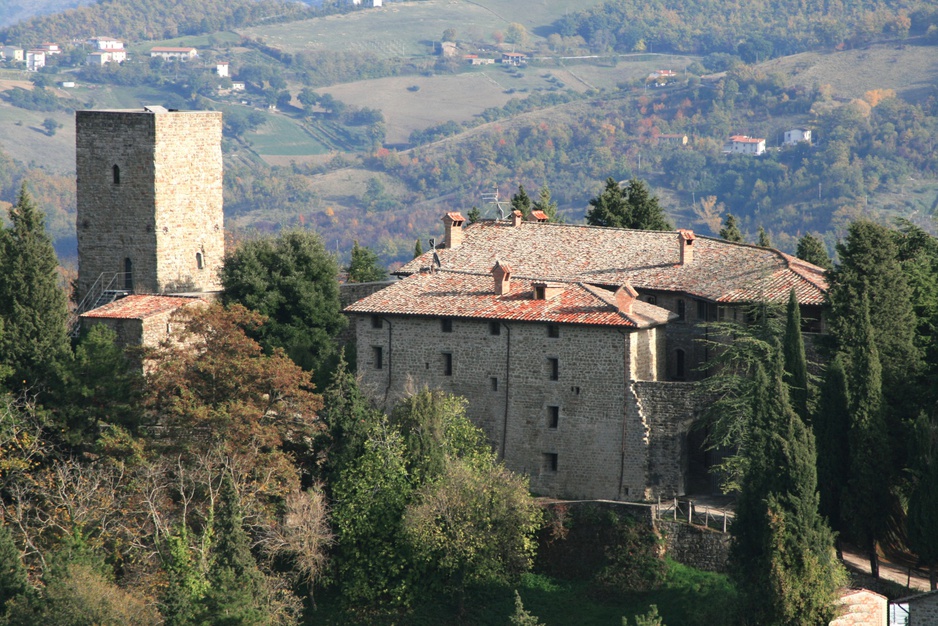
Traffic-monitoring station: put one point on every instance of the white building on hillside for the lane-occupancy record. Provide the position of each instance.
(174, 53)
(113, 47)
(35, 59)
(797, 135)
(744, 144)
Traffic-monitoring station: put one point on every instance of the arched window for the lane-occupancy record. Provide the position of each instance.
(199, 261)
(117, 174)
(679, 364)
(128, 274)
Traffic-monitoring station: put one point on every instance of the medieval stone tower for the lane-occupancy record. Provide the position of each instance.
(149, 201)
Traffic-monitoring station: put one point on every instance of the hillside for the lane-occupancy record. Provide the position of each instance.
(19, 10)
(393, 134)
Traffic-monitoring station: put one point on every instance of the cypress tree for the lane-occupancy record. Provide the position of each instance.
(764, 240)
(236, 596)
(782, 554)
(418, 248)
(831, 431)
(866, 501)
(730, 230)
(33, 306)
(922, 521)
(796, 364)
(13, 581)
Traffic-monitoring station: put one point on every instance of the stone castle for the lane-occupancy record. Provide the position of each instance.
(575, 345)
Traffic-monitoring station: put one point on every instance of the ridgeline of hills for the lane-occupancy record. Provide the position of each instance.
(353, 123)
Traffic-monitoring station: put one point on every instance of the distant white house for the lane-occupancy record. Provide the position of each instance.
(167, 52)
(12, 53)
(661, 77)
(675, 139)
(49, 48)
(221, 68)
(237, 85)
(474, 59)
(113, 47)
(744, 144)
(35, 59)
(797, 135)
(514, 58)
(98, 58)
(68, 84)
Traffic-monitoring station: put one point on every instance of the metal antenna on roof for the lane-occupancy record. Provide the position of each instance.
(492, 198)
(436, 262)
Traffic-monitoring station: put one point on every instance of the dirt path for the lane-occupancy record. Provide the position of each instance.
(856, 561)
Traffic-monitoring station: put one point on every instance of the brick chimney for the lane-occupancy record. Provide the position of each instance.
(625, 296)
(516, 218)
(686, 239)
(453, 223)
(502, 275)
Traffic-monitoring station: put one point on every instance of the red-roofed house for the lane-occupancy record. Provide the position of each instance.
(571, 342)
(744, 144)
(140, 320)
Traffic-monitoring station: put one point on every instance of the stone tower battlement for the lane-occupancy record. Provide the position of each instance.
(149, 187)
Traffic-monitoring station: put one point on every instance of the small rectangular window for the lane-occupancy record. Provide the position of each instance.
(701, 310)
(376, 321)
(378, 354)
(494, 382)
(495, 327)
(553, 331)
(550, 462)
(553, 368)
(539, 292)
(680, 310)
(447, 364)
(553, 416)
(446, 325)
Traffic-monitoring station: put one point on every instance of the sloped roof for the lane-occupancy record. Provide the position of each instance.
(472, 295)
(721, 271)
(138, 307)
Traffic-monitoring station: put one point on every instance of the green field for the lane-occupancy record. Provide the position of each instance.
(282, 136)
(409, 28)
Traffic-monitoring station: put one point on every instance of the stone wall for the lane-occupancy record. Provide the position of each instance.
(149, 199)
(702, 548)
(923, 611)
(668, 411)
(350, 293)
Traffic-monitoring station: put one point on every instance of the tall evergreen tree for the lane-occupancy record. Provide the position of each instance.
(922, 521)
(631, 207)
(364, 266)
(782, 553)
(730, 230)
(33, 306)
(546, 204)
(236, 594)
(812, 250)
(13, 581)
(831, 430)
(418, 249)
(866, 501)
(764, 240)
(474, 215)
(796, 364)
(521, 202)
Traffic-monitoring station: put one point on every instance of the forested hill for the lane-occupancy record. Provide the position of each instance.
(13, 11)
(148, 19)
(754, 29)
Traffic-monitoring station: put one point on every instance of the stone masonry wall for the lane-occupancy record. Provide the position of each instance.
(668, 410)
(506, 377)
(924, 612)
(696, 546)
(159, 208)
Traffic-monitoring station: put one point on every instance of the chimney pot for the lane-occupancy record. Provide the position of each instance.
(625, 296)
(502, 275)
(686, 241)
(453, 223)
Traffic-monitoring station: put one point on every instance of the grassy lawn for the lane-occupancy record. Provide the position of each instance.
(281, 136)
(689, 597)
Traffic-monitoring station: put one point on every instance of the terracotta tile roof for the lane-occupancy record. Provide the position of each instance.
(138, 307)
(465, 295)
(745, 139)
(721, 271)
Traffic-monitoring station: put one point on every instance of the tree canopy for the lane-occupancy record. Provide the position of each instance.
(631, 206)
